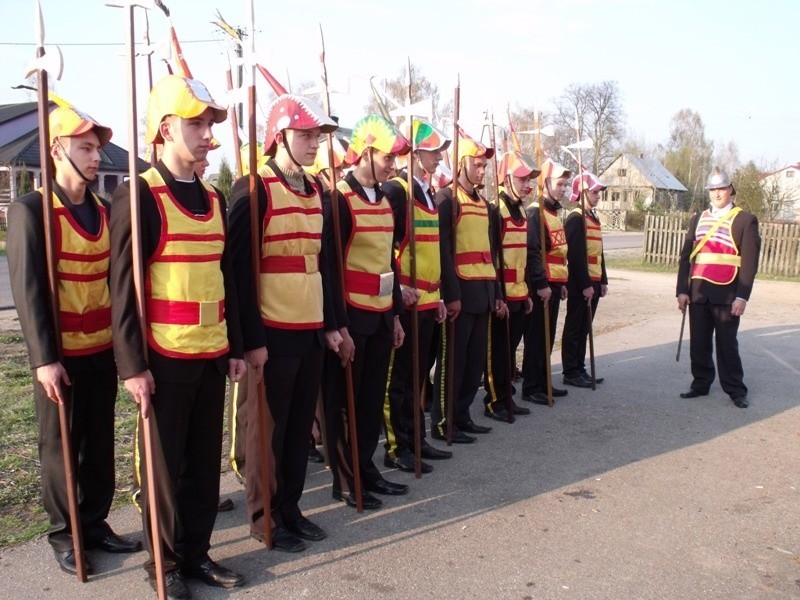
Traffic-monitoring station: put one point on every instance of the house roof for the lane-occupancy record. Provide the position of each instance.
(656, 173)
(25, 150)
(795, 166)
(9, 112)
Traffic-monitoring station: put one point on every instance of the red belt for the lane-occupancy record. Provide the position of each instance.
(88, 322)
(510, 275)
(556, 260)
(425, 286)
(472, 258)
(359, 282)
(174, 312)
(308, 263)
(593, 260)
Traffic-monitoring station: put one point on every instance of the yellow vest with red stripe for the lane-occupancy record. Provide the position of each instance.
(368, 253)
(718, 261)
(594, 245)
(428, 260)
(185, 293)
(290, 281)
(515, 254)
(473, 251)
(84, 300)
(556, 257)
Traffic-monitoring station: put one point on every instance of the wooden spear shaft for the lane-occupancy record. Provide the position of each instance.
(450, 347)
(337, 237)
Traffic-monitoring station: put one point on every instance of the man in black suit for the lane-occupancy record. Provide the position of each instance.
(718, 265)
(470, 289)
(192, 326)
(86, 377)
(587, 280)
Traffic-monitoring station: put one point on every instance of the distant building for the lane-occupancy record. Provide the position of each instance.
(782, 189)
(19, 153)
(636, 182)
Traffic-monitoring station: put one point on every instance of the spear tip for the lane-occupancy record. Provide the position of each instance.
(38, 23)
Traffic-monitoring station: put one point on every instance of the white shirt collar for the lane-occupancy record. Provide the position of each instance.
(718, 212)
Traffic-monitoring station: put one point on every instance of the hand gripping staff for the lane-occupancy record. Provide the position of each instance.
(450, 372)
(40, 66)
(502, 273)
(416, 392)
(263, 416)
(537, 145)
(148, 418)
(337, 236)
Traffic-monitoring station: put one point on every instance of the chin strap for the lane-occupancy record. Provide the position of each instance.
(289, 152)
(74, 166)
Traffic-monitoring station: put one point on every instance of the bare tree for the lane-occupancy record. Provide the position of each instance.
(726, 156)
(397, 89)
(688, 155)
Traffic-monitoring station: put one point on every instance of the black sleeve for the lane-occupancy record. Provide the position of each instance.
(451, 290)
(232, 313)
(336, 312)
(239, 246)
(684, 266)
(398, 200)
(749, 249)
(537, 278)
(496, 245)
(27, 265)
(575, 232)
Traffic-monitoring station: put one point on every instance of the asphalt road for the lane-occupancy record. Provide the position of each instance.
(624, 492)
(621, 240)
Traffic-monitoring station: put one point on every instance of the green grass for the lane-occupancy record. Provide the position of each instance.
(632, 263)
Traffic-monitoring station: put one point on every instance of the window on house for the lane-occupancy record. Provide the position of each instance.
(622, 172)
(790, 173)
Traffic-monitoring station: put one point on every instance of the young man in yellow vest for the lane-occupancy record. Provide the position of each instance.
(398, 412)
(516, 171)
(717, 268)
(587, 280)
(548, 282)
(284, 335)
(193, 332)
(86, 377)
(370, 322)
(470, 289)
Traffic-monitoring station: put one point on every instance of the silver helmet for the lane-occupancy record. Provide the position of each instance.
(719, 179)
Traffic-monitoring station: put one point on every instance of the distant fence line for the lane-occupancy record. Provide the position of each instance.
(780, 244)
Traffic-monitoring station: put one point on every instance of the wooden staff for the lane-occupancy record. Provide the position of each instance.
(412, 265)
(589, 315)
(148, 418)
(450, 347)
(52, 280)
(502, 272)
(680, 336)
(263, 416)
(543, 252)
(237, 143)
(337, 236)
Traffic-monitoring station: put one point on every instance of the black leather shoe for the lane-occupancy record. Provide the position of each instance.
(111, 542)
(282, 539)
(368, 501)
(459, 437)
(432, 453)
(176, 586)
(225, 505)
(693, 393)
(407, 463)
(577, 382)
(740, 401)
(214, 574)
(588, 377)
(498, 415)
(472, 427)
(305, 529)
(536, 398)
(315, 456)
(558, 392)
(66, 560)
(520, 410)
(385, 487)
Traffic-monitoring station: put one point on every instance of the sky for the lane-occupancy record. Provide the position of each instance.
(733, 62)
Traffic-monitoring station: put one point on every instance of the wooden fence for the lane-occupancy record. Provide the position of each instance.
(780, 244)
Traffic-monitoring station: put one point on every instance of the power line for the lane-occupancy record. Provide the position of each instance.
(33, 44)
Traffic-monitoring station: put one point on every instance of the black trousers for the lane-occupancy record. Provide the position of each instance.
(709, 322)
(91, 398)
(292, 386)
(398, 409)
(189, 420)
(495, 379)
(471, 331)
(370, 370)
(576, 330)
(534, 366)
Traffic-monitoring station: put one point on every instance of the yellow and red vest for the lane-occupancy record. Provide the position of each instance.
(185, 293)
(556, 257)
(594, 245)
(84, 300)
(368, 252)
(428, 259)
(515, 254)
(473, 251)
(718, 260)
(290, 281)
